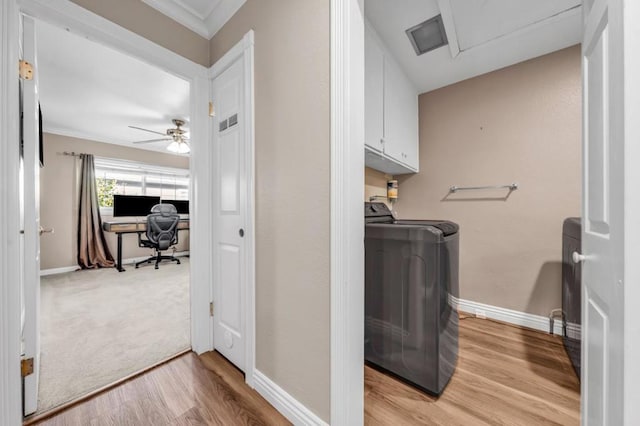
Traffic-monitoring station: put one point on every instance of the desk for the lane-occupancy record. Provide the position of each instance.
(120, 228)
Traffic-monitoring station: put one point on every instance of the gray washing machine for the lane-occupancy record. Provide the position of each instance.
(411, 272)
(572, 290)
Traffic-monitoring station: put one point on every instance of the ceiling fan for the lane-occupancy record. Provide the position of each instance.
(179, 142)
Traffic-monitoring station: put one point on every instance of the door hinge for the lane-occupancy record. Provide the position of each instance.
(26, 367)
(211, 309)
(25, 70)
(212, 111)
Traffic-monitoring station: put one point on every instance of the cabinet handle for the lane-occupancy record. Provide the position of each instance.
(382, 141)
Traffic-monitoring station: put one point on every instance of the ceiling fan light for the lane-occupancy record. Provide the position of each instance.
(178, 147)
(174, 147)
(183, 148)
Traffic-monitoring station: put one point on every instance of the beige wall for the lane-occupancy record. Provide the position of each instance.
(58, 198)
(144, 20)
(375, 183)
(292, 89)
(521, 124)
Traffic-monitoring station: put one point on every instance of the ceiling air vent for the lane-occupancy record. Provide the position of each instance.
(428, 35)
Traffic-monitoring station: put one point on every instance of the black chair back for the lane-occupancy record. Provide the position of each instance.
(162, 226)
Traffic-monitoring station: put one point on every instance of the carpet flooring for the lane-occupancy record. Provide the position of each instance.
(99, 326)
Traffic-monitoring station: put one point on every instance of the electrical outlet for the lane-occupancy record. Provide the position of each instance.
(481, 314)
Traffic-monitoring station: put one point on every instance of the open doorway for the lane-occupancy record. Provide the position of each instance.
(120, 312)
(475, 129)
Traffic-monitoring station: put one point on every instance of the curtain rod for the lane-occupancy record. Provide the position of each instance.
(72, 153)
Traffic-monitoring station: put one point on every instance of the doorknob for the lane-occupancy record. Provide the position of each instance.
(241, 232)
(46, 231)
(577, 257)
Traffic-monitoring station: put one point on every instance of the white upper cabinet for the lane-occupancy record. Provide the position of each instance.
(391, 112)
(400, 116)
(373, 93)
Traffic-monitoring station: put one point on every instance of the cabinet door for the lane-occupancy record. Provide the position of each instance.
(400, 115)
(374, 92)
(412, 142)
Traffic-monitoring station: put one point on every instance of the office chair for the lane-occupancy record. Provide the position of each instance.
(162, 232)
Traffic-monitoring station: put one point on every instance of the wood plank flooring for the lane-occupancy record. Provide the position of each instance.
(188, 390)
(505, 375)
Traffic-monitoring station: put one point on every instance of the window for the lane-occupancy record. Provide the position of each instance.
(124, 177)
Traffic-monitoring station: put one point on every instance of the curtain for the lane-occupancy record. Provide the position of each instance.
(93, 251)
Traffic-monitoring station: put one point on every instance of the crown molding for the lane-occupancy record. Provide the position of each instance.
(221, 14)
(207, 26)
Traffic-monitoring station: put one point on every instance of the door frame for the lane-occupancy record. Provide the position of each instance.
(244, 51)
(81, 21)
(347, 105)
(10, 303)
(347, 219)
(631, 212)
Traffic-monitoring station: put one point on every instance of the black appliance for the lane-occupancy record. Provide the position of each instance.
(571, 290)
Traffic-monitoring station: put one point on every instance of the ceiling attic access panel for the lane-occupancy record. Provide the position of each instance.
(480, 21)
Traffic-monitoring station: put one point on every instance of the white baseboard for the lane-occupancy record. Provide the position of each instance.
(523, 319)
(287, 405)
(54, 271)
(129, 261)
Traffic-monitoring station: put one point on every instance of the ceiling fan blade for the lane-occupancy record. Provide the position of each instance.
(153, 140)
(147, 130)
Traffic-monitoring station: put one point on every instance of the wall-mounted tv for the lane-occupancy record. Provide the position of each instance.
(181, 205)
(133, 205)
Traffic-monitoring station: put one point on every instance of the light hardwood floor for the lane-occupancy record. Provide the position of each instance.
(188, 390)
(505, 376)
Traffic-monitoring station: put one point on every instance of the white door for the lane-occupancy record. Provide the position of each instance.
(30, 208)
(230, 194)
(603, 219)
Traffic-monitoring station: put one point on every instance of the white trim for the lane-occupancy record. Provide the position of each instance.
(347, 221)
(10, 311)
(212, 5)
(250, 294)
(185, 16)
(200, 224)
(206, 25)
(449, 26)
(81, 21)
(232, 55)
(221, 15)
(129, 261)
(631, 212)
(56, 271)
(65, 13)
(244, 50)
(522, 319)
(286, 404)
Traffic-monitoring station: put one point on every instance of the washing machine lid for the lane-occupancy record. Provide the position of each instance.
(377, 213)
(380, 213)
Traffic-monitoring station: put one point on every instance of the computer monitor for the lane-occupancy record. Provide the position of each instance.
(133, 205)
(181, 205)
